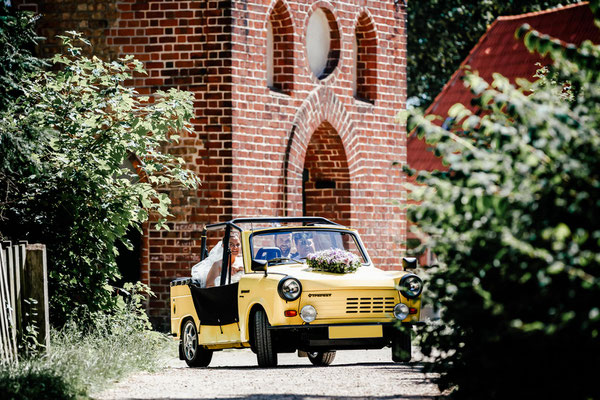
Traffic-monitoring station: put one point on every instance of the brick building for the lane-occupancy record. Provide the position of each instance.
(295, 106)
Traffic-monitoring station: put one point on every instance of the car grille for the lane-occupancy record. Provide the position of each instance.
(369, 305)
(376, 303)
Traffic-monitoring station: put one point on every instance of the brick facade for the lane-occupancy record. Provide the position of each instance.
(253, 143)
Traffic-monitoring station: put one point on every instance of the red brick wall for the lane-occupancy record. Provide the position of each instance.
(251, 143)
(90, 18)
(185, 45)
(272, 131)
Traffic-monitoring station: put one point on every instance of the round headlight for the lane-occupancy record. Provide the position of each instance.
(308, 313)
(289, 288)
(411, 286)
(401, 311)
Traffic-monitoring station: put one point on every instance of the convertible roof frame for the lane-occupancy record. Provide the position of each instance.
(305, 220)
(233, 224)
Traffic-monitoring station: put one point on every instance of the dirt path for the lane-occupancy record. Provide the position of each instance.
(360, 374)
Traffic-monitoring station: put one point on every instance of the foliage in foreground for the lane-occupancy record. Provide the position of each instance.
(448, 30)
(65, 145)
(514, 224)
(82, 361)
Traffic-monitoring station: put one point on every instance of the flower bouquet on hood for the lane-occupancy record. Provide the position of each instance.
(333, 260)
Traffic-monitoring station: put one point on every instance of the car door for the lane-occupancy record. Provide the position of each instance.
(217, 309)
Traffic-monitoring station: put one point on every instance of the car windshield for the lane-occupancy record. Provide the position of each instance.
(292, 246)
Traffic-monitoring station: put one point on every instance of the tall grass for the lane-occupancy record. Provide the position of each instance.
(85, 360)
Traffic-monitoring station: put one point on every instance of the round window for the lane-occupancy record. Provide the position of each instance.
(322, 43)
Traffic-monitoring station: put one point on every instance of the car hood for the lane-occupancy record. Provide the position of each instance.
(363, 277)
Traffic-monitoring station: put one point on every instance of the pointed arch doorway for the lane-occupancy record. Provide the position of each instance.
(326, 178)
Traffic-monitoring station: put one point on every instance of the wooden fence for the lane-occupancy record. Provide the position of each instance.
(23, 297)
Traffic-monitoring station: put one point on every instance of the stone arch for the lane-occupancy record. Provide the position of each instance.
(365, 58)
(321, 107)
(280, 48)
(326, 179)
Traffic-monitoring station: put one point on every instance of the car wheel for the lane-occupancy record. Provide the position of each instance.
(321, 358)
(401, 347)
(263, 342)
(194, 355)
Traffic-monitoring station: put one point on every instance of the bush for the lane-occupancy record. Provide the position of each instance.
(83, 360)
(65, 143)
(32, 382)
(514, 226)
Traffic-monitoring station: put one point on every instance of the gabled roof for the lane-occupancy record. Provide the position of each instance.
(499, 51)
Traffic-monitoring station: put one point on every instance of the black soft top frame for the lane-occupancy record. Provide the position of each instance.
(258, 220)
(272, 220)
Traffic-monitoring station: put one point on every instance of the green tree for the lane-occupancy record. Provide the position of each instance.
(71, 190)
(514, 225)
(441, 34)
(17, 40)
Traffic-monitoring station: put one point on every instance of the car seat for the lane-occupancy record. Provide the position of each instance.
(268, 253)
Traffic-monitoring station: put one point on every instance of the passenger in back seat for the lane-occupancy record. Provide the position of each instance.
(237, 267)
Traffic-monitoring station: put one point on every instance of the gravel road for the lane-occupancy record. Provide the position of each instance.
(233, 374)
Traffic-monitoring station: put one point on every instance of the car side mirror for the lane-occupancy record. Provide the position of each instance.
(409, 263)
(259, 265)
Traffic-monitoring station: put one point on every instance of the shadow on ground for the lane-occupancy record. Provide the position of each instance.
(308, 397)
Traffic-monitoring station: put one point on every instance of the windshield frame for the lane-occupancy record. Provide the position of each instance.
(292, 229)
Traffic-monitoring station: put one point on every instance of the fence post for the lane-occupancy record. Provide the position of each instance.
(8, 346)
(14, 280)
(35, 286)
(22, 250)
(4, 350)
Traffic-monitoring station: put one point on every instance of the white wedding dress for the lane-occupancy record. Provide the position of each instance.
(201, 270)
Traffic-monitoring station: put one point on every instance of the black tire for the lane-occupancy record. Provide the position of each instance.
(194, 355)
(401, 347)
(263, 342)
(321, 358)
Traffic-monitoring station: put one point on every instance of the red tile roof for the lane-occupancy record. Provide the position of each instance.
(499, 51)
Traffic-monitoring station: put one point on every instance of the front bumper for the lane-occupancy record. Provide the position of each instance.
(322, 338)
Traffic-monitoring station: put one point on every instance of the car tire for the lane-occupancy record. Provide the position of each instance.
(401, 347)
(263, 342)
(193, 354)
(321, 358)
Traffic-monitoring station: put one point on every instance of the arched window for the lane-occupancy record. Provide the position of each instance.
(365, 66)
(280, 49)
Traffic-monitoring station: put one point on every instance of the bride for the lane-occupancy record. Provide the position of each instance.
(208, 271)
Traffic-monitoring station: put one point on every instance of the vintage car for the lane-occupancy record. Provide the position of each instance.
(281, 305)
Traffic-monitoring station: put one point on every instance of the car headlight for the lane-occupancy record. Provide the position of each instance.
(411, 286)
(401, 311)
(289, 288)
(308, 313)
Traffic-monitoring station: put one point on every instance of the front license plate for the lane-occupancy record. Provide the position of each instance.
(352, 332)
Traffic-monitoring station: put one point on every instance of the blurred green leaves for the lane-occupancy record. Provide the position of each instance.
(514, 226)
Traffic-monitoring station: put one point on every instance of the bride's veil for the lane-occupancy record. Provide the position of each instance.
(200, 270)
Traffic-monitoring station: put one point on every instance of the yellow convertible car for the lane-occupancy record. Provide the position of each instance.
(280, 303)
